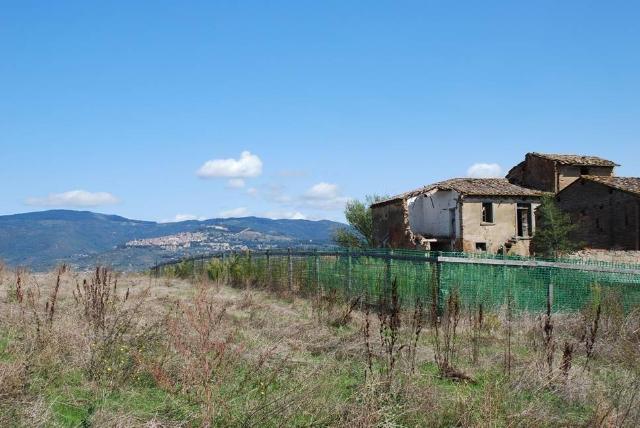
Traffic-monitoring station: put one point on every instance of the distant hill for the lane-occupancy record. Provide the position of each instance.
(40, 240)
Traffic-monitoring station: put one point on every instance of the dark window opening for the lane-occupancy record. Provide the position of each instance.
(524, 223)
(584, 171)
(481, 246)
(598, 224)
(452, 222)
(487, 212)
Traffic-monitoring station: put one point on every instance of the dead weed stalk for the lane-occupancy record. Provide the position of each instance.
(445, 337)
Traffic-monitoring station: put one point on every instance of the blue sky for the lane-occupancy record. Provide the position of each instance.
(127, 101)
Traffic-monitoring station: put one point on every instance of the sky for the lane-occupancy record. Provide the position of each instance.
(177, 110)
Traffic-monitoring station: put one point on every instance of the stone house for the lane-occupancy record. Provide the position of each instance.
(605, 210)
(552, 172)
(497, 215)
(461, 214)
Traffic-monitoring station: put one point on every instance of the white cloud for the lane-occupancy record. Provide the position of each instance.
(249, 165)
(183, 217)
(74, 198)
(235, 183)
(485, 170)
(236, 212)
(291, 215)
(326, 196)
(322, 191)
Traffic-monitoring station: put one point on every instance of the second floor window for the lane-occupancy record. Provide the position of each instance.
(487, 212)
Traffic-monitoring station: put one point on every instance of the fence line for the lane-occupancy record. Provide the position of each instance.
(530, 284)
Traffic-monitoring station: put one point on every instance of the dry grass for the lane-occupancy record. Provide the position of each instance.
(99, 349)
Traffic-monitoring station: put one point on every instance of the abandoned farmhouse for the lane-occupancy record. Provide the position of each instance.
(497, 215)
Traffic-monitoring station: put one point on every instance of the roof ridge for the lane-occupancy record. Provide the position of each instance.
(624, 184)
(574, 159)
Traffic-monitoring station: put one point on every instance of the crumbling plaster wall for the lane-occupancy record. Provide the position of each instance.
(430, 214)
(497, 234)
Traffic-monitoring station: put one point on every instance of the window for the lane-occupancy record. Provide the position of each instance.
(481, 246)
(487, 212)
(523, 219)
(584, 171)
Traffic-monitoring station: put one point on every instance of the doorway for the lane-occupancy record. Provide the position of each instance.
(523, 220)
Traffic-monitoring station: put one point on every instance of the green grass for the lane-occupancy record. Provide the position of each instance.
(4, 345)
(73, 400)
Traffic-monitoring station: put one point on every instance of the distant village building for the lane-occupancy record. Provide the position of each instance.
(497, 215)
(605, 210)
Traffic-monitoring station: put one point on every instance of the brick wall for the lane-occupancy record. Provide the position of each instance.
(390, 227)
(536, 173)
(605, 218)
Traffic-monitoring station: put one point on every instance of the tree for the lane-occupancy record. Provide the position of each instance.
(554, 228)
(360, 218)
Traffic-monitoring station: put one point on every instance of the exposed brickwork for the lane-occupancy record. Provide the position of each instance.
(535, 172)
(391, 225)
(552, 173)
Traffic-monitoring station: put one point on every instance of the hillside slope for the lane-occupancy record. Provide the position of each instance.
(40, 240)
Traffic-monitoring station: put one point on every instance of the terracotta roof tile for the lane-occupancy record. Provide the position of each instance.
(626, 184)
(577, 160)
(498, 187)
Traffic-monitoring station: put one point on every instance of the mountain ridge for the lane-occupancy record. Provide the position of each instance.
(42, 239)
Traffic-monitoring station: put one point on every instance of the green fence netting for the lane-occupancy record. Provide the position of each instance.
(428, 277)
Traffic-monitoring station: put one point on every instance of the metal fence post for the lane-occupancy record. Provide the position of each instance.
(349, 272)
(290, 265)
(388, 275)
(225, 275)
(268, 268)
(317, 269)
(250, 279)
(437, 303)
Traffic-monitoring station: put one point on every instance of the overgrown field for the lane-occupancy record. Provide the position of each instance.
(98, 349)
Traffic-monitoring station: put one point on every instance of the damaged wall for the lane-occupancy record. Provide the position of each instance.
(534, 172)
(390, 225)
(430, 214)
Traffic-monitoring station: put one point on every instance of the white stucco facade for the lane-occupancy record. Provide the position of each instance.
(435, 214)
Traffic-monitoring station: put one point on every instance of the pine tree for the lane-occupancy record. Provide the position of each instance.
(553, 231)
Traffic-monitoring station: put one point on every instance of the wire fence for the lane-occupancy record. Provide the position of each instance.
(426, 277)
